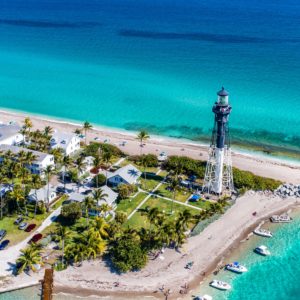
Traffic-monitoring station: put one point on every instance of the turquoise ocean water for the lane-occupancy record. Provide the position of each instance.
(156, 64)
(273, 277)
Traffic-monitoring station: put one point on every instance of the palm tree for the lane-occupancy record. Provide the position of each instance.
(184, 218)
(96, 164)
(48, 171)
(86, 127)
(27, 128)
(142, 137)
(36, 184)
(58, 155)
(106, 157)
(99, 195)
(144, 162)
(88, 203)
(174, 185)
(62, 234)
(28, 259)
(48, 130)
(17, 194)
(100, 226)
(66, 163)
(81, 165)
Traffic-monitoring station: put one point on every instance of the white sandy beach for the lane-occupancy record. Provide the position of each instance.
(260, 165)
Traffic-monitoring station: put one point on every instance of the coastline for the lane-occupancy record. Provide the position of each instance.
(98, 280)
(286, 171)
(94, 279)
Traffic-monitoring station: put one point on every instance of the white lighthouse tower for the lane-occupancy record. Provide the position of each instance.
(218, 174)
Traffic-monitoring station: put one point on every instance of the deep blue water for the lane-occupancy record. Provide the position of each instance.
(156, 64)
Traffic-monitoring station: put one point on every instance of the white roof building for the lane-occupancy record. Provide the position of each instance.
(10, 134)
(110, 199)
(127, 175)
(42, 159)
(112, 196)
(69, 142)
(42, 194)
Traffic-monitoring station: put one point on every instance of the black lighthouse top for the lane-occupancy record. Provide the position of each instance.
(223, 92)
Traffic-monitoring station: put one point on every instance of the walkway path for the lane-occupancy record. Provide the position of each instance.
(9, 256)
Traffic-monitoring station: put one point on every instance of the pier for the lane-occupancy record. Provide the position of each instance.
(47, 285)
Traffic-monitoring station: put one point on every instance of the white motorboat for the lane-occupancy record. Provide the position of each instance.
(281, 218)
(220, 285)
(263, 232)
(205, 297)
(236, 267)
(262, 250)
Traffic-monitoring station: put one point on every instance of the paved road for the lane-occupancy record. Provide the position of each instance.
(9, 256)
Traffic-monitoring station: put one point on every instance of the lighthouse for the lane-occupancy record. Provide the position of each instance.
(218, 173)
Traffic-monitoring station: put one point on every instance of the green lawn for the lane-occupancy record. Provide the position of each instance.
(181, 195)
(201, 204)
(129, 204)
(138, 220)
(14, 234)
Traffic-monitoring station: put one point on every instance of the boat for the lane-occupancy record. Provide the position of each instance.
(220, 285)
(236, 267)
(263, 232)
(205, 297)
(262, 250)
(281, 219)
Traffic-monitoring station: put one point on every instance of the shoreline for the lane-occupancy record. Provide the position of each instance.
(71, 281)
(174, 275)
(284, 170)
(237, 149)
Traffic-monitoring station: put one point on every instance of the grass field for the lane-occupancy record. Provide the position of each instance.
(180, 195)
(129, 204)
(139, 220)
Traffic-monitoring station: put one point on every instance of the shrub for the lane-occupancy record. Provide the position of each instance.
(151, 159)
(93, 149)
(127, 255)
(186, 165)
(246, 180)
(125, 190)
(71, 212)
(101, 180)
(40, 208)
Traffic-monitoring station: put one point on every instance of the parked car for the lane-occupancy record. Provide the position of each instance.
(18, 221)
(60, 189)
(35, 238)
(30, 227)
(2, 234)
(86, 192)
(4, 244)
(23, 225)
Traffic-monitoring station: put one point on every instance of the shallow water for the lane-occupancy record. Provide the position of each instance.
(273, 277)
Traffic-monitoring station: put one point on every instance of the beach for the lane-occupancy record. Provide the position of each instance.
(206, 249)
(283, 170)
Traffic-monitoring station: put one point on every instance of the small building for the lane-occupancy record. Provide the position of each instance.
(42, 159)
(69, 142)
(42, 194)
(111, 197)
(127, 175)
(10, 134)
